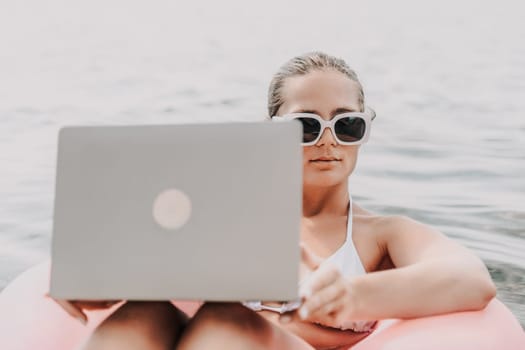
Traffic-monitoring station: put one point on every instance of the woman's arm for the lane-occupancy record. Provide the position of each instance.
(424, 288)
(433, 275)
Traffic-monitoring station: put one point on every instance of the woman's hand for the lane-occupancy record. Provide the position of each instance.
(75, 308)
(327, 295)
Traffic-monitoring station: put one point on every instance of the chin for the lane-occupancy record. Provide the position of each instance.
(324, 178)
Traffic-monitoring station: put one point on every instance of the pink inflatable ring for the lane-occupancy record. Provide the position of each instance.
(29, 320)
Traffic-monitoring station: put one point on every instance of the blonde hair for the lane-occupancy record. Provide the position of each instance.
(301, 65)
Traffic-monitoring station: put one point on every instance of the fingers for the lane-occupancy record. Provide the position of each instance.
(73, 310)
(325, 301)
(93, 305)
(333, 308)
(325, 294)
(325, 275)
(75, 307)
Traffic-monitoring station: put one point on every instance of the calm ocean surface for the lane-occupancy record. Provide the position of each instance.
(446, 78)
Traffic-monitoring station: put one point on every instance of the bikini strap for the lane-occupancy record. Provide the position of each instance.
(352, 261)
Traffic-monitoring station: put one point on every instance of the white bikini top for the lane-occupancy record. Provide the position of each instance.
(349, 263)
(346, 257)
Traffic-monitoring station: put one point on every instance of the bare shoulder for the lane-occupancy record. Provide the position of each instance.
(371, 233)
(395, 241)
(388, 225)
(398, 239)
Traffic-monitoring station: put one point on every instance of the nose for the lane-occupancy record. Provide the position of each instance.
(327, 137)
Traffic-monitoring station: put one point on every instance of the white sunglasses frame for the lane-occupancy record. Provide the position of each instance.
(368, 115)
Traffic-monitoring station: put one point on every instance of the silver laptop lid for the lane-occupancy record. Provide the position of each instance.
(205, 211)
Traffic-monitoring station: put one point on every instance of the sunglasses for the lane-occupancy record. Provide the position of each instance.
(352, 128)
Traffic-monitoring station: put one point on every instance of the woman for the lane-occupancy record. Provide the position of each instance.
(358, 267)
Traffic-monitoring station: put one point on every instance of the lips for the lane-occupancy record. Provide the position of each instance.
(326, 159)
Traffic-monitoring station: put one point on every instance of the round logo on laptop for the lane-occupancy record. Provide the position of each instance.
(172, 209)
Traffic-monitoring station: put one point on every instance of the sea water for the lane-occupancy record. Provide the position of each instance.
(446, 78)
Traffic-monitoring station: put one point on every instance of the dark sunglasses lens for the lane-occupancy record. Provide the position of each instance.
(350, 129)
(311, 128)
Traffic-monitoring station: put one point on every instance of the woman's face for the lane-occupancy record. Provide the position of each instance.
(326, 93)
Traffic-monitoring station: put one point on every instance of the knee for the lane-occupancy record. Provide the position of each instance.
(227, 324)
(231, 315)
(139, 325)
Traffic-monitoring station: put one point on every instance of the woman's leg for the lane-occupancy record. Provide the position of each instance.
(139, 325)
(232, 326)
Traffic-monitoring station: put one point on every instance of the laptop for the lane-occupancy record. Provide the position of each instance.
(190, 212)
